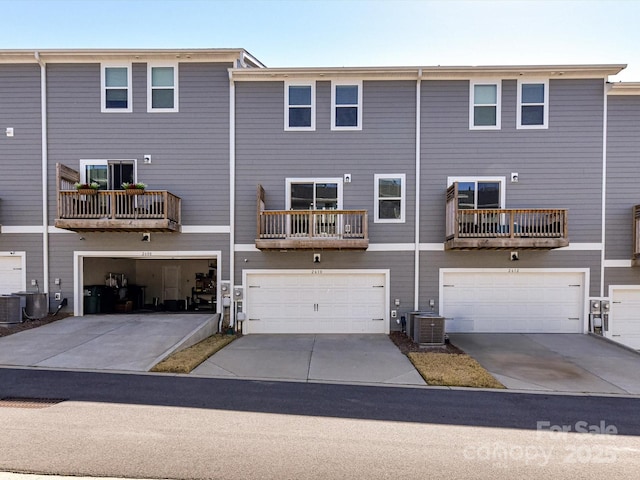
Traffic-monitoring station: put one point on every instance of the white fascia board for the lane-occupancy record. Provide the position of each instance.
(133, 55)
(245, 247)
(624, 88)
(618, 263)
(429, 73)
(206, 229)
(22, 229)
(583, 247)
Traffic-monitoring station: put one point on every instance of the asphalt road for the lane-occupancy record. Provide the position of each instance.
(151, 426)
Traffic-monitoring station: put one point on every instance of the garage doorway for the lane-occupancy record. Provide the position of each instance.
(316, 301)
(146, 282)
(12, 272)
(516, 300)
(624, 319)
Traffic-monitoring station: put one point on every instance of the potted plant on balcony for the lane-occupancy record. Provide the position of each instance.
(132, 188)
(87, 188)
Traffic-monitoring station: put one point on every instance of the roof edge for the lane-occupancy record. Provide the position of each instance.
(624, 88)
(99, 54)
(435, 72)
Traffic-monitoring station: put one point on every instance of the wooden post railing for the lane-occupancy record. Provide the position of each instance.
(502, 223)
(118, 204)
(312, 224)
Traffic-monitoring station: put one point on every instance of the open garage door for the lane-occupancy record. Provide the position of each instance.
(328, 302)
(150, 281)
(516, 301)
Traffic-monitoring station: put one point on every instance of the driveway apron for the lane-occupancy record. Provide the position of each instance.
(554, 362)
(366, 359)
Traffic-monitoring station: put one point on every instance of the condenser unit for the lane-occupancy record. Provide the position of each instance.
(428, 330)
(11, 309)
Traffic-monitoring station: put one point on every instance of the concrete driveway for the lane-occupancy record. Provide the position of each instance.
(354, 359)
(128, 342)
(554, 362)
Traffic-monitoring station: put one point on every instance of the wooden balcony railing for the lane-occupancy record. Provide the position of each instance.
(310, 229)
(503, 228)
(115, 210)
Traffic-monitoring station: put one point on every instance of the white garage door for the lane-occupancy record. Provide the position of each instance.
(624, 325)
(11, 275)
(327, 302)
(513, 301)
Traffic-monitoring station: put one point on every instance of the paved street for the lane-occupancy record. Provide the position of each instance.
(155, 426)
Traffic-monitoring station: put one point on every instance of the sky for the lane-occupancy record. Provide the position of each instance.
(343, 33)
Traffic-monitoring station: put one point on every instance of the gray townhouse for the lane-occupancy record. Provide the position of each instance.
(321, 200)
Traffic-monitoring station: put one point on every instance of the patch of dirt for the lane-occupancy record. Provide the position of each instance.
(406, 345)
(6, 330)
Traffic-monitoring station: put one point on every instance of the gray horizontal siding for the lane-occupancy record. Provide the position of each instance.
(31, 244)
(20, 155)
(559, 167)
(432, 262)
(65, 244)
(623, 173)
(189, 148)
(621, 276)
(267, 155)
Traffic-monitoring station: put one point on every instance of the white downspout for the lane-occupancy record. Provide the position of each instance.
(232, 191)
(45, 161)
(604, 184)
(416, 268)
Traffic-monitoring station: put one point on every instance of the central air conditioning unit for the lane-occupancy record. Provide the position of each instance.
(11, 309)
(428, 330)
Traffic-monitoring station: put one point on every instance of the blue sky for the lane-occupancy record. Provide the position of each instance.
(342, 32)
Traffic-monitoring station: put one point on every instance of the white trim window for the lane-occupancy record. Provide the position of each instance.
(162, 87)
(479, 192)
(115, 91)
(389, 201)
(485, 105)
(313, 193)
(109, 174)
(533, 104)
(299, 106)
(346, 105)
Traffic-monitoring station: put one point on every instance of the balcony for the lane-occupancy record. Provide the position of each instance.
(503, 229)
(310, 229)
(114, 210)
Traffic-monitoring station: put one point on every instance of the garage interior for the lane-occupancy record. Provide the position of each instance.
(126, 285)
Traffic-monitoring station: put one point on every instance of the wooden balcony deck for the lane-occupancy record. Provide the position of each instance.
(115, 210)
(504, 229)
(310, 229)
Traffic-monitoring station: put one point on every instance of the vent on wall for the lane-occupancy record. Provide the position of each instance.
(428, 330)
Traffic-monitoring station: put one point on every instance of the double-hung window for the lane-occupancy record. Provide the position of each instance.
(533, 104)
(162, 88)
(116, 88)
(299, 106)
(346, 106)
(389, 199)
(485, 105)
